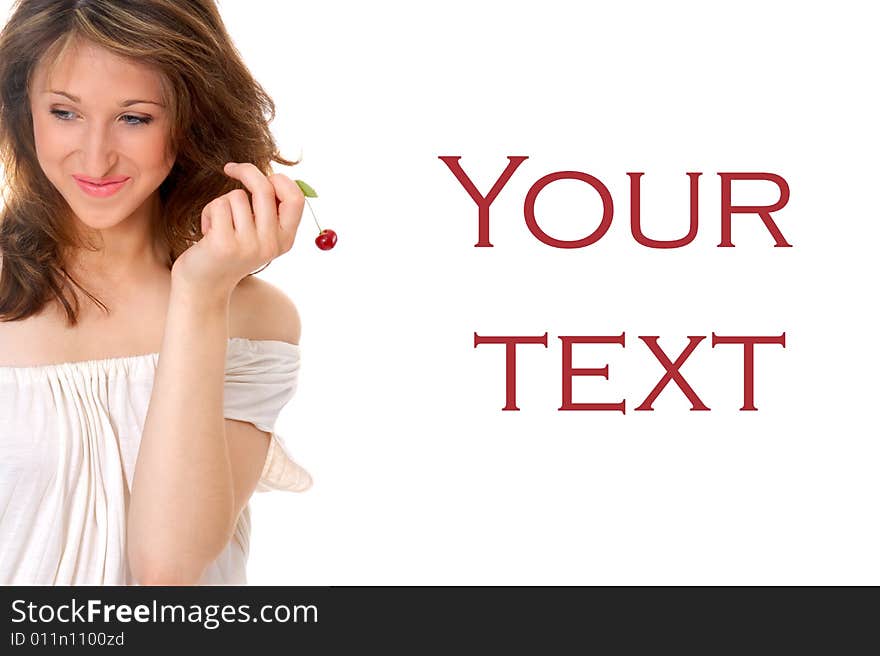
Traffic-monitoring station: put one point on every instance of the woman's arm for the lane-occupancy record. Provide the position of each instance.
(182, 497)
(186, 488)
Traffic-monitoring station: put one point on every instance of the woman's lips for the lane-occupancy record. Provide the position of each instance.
(100, 191)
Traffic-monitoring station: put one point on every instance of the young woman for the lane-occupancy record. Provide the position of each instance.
(142, 367)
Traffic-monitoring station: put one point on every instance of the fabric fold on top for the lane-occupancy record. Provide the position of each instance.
(69, 439)
(261, 377)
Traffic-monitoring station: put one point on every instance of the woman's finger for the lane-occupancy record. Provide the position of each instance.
(263, 195)
(218, 214)
(291, 208)
(242, 216)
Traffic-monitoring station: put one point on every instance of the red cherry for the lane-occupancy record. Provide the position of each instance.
(326, 239)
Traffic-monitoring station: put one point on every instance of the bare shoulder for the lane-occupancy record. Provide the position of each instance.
(260, 310)
(9, 335)
(23, 341)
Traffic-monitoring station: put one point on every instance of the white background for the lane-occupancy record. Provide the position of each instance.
(420, 478)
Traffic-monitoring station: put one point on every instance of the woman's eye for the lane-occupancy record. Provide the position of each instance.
(128, 119)
(57, 113)
(138, 120)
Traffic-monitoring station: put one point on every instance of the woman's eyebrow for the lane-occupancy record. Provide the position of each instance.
(124, 103)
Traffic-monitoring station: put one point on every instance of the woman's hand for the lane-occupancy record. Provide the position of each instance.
(237, 239)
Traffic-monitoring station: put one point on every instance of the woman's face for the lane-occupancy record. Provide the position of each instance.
(101, 134)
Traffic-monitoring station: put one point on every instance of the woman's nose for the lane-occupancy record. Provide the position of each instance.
(99, 151)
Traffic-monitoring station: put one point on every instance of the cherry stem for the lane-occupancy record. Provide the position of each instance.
(313, 214)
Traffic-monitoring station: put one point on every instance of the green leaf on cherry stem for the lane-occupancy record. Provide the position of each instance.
(306, 189)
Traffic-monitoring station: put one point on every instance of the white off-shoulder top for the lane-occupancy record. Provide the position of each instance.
(69, 439)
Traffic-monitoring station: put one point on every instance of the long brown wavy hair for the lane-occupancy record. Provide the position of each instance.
(219, 113)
